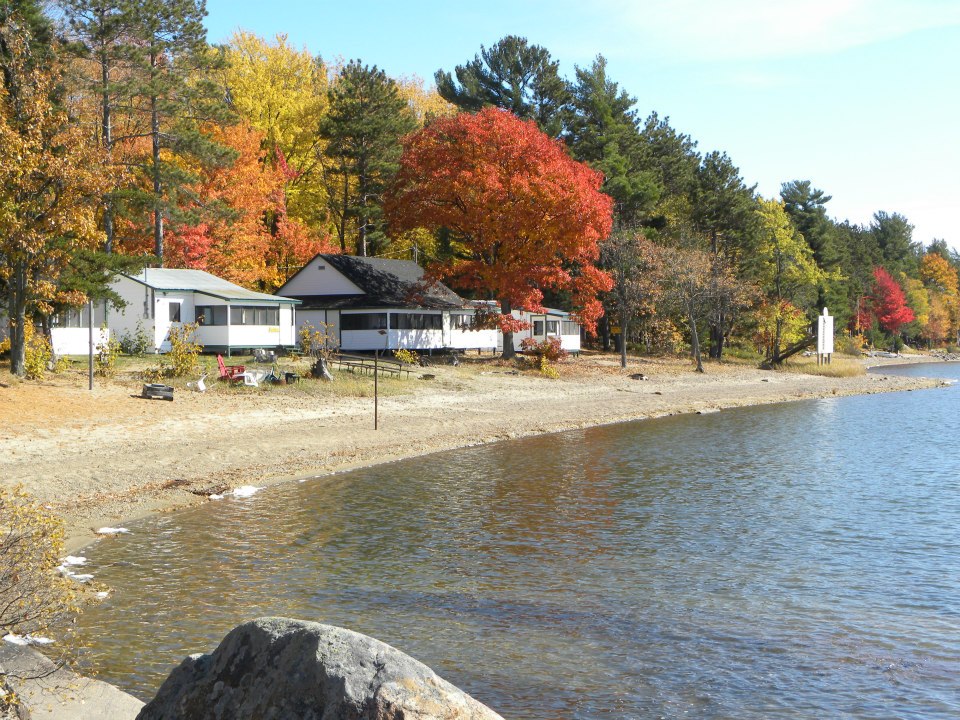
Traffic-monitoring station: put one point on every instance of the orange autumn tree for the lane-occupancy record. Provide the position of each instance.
(940, 278)
(525, 215)
(244, 234)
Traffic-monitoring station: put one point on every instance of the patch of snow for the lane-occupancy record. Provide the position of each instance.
(215, 496)
(103, 594)
(81, 578)
(24, 640)
(74, 560)
(246, 491)
(112, 531)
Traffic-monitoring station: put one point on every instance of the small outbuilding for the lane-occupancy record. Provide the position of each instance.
(230, 318)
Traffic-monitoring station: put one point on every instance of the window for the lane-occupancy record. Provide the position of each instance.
(461, 321)
(363, 321)
(212, 314)
(568, 327)
(255, 316)
(69, 319)
(538, 328)
(417, 321)
(553, 327)
(174, 311)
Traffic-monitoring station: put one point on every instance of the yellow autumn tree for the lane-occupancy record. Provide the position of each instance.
(783, 267)
(282, 92)
(940, 277)
(424, 101)
(51, 181)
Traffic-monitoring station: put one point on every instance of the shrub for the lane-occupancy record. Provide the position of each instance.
(137, 343)
(543, 353)
(185, 351)
(407, 356)
(549, 348)
(318, 342)
(548, 370)
(38, 355)
(848, 344)
(34, 598)
(106, 356)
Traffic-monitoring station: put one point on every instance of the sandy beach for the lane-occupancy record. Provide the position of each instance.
(105, 457)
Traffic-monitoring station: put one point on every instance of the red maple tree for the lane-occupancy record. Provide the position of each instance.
(886, 304)
(526, 217)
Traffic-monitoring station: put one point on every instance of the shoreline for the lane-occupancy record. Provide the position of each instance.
(105, 458)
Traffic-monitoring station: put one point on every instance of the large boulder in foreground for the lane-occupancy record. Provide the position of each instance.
(280, 669)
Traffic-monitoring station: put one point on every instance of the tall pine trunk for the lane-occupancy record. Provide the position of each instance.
(342, 225)
(107, 130)
(157, 182)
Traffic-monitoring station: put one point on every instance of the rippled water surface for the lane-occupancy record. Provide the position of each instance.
(789, 561)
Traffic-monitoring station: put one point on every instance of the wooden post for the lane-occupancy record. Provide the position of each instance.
(90, 356)
(376, 375)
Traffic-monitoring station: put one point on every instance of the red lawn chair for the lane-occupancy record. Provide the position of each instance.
(230, 373)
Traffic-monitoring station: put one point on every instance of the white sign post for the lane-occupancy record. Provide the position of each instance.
(824, 338)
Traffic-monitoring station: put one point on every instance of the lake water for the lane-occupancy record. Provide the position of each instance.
(789, 561)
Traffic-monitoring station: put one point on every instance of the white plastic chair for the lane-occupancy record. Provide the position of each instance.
(253, 377)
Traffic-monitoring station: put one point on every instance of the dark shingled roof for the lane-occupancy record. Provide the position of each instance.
(385, 283)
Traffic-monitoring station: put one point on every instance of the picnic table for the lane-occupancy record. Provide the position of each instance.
(366, 365)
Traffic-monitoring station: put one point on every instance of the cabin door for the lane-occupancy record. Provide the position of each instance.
(168, 314)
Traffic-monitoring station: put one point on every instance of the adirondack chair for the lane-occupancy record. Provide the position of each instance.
(230, 373)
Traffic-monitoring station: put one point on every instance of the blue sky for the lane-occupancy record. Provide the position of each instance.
(862, 97)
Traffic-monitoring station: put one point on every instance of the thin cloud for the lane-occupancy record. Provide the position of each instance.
(763, 29)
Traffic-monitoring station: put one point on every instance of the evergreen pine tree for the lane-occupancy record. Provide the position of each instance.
(673, 160)
(173, 92)
(894, 236)
(806, 207)
(101, 34)
(362, 131)
(603, 132)
(513, 75)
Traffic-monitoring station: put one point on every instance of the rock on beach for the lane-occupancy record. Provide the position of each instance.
(283, 668)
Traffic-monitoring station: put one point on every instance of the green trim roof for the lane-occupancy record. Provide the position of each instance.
(179, 280)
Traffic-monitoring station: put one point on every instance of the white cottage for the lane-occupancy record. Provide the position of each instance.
(231, 318)
(70, 330)
(372, 303)
(547, 324)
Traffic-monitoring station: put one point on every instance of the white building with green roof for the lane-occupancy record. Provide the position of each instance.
(231, 318)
